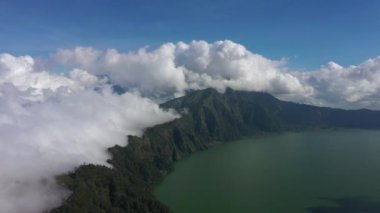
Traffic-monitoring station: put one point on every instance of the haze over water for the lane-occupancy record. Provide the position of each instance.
(315, 172)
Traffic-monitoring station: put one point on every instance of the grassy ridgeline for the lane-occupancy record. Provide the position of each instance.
(208, 118)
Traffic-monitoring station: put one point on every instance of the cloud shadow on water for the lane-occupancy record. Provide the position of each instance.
(348, 205)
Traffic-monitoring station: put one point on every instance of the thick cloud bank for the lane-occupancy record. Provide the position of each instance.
(50, 123)
(346, 87)
(173, 68)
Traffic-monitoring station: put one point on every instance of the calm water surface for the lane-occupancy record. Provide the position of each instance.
(312, 172)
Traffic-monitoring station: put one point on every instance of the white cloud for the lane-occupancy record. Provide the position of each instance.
(85, 56)
(148, 72)
(347, 87)
(227, 64)
(52, 123)
(173, 68)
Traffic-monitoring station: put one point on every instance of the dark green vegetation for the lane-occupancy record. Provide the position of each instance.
(208, 118)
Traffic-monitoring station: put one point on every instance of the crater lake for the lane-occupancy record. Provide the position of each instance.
(304, 172)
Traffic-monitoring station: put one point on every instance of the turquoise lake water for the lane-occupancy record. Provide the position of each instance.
(310, 172)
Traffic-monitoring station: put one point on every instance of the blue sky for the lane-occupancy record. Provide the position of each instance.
(309, 32)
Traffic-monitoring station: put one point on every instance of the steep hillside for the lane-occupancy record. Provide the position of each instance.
(207, 118)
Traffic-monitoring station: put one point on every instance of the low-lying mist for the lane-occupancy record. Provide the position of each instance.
(50, 124)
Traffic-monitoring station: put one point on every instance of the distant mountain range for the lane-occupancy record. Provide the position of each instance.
(207, 118)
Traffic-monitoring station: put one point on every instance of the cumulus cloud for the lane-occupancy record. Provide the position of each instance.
(347, 87)
(227, 64)
(52, 123)
(149, 72)
(172, 69)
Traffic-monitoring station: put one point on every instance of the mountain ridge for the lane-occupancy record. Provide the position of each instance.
(207, 118)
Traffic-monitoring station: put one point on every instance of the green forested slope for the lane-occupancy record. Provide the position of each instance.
(207, 118)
